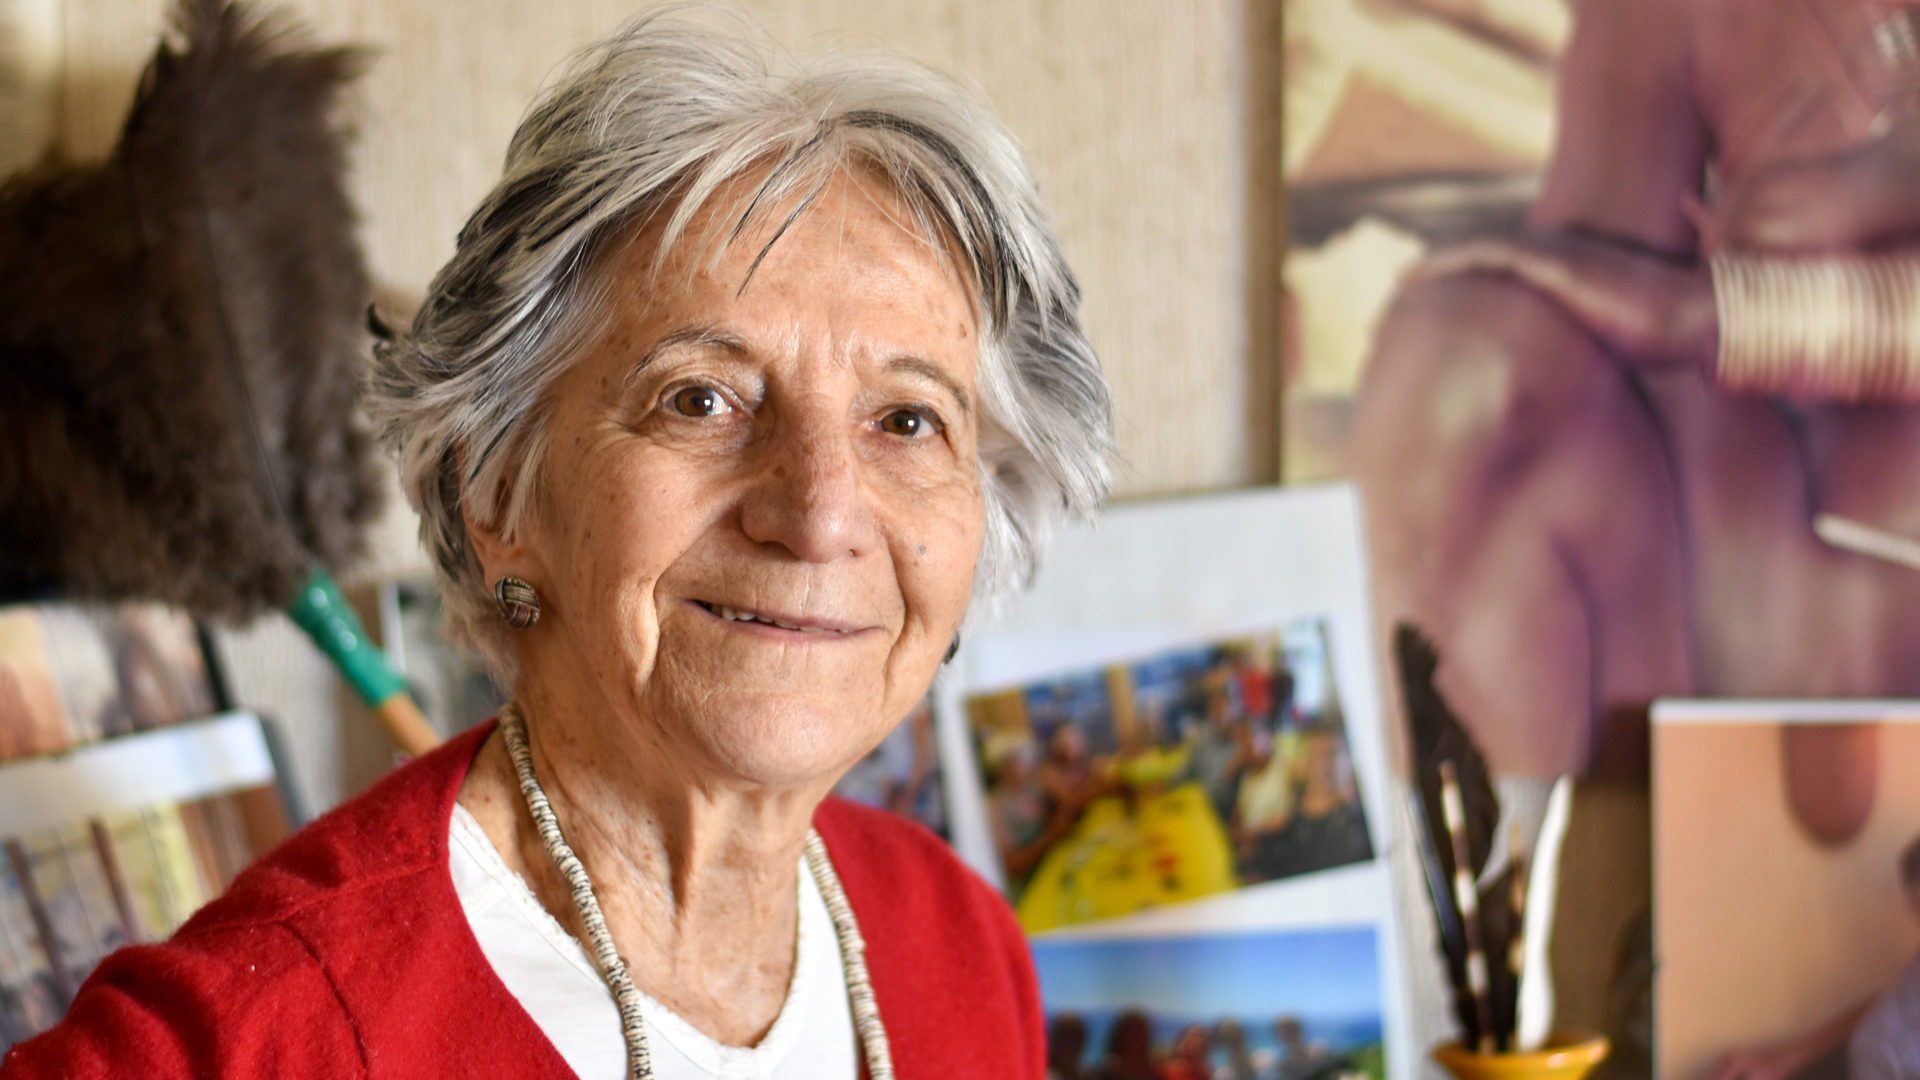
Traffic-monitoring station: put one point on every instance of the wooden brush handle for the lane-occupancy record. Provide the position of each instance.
(404, 724)
(320, 610)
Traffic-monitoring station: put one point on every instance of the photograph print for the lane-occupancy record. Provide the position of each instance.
(1796, 824)
(1155, 780)
(1295, 1004)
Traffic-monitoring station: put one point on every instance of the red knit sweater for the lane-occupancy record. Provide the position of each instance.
(344, 953)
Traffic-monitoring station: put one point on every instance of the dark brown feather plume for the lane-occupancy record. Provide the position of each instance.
(1435, 736)
(181, 336)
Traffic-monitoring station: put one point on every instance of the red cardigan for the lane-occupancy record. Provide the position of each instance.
(344, 953)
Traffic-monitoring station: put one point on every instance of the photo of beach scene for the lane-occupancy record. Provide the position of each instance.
(1300, 1004)
(1165, 778)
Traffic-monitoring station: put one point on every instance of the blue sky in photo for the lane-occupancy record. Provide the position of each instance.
(1317, 972)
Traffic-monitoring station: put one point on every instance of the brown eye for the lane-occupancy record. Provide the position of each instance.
(698, 401)
(908, 424)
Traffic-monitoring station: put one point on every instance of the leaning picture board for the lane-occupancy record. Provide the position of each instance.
(1170, 753)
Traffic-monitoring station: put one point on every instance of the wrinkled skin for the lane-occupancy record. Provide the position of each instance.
(754, 537)
(1556, 489)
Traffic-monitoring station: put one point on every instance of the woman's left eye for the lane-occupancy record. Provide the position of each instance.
(909, 424)
(698, 401)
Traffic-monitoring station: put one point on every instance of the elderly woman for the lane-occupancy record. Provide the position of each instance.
(740, 385)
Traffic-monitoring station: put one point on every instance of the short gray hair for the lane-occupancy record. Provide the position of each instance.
(656, 121)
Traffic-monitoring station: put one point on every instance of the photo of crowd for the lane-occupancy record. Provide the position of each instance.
(1286, 1005)
(1191, 772)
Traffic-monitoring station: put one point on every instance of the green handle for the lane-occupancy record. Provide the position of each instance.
(323, 613)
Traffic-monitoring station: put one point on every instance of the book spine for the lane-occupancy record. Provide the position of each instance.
(180, 883)
(116, 881)
(73, 886)
(40, 918)
(28, 997)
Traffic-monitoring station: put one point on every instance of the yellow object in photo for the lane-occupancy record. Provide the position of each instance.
(1170, 848)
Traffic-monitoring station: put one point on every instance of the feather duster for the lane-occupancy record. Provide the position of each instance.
(1444, 757)
(180, 345)
(180, 337)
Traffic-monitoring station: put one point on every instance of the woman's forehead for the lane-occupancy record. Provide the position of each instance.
(844, 273)
(738, 229)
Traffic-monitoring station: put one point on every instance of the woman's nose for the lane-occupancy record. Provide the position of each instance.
(809, 497)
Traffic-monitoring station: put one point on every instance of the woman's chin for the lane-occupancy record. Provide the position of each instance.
(787, 752)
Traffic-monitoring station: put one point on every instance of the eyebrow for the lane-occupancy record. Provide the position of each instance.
(708, 336)
(928, 370)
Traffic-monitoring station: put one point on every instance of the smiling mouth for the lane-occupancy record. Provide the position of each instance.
(738, 615)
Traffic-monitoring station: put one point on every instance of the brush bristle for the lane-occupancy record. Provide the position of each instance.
(181, 337)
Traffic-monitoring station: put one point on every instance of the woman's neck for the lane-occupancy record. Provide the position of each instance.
(696, 877)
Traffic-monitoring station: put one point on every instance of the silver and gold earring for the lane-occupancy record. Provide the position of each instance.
(519, 604)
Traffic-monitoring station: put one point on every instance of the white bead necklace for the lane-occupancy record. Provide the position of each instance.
(626, 996)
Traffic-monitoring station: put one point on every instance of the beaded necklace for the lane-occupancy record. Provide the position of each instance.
(626, 996)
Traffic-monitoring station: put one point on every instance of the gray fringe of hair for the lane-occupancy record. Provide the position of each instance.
(658, 120)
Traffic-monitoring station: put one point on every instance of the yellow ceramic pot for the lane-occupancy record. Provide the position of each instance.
(1567, 1056)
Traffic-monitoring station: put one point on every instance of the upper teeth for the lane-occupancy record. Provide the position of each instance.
(747, 616)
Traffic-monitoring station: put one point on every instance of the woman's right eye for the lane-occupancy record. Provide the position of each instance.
(698, 401)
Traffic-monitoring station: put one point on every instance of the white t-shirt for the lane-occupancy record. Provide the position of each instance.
(555, 981)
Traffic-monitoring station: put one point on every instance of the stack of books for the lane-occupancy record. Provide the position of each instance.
(129, 795)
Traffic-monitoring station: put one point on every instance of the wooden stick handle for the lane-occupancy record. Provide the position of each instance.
(406, 726)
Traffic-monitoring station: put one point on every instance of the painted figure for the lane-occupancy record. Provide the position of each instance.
(1593, 455)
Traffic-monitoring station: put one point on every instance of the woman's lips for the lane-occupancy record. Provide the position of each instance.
(800, 623)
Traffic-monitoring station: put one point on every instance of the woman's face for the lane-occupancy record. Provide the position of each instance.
(760, 508)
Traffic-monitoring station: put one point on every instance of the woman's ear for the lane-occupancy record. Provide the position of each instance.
(501, 552)
(495, 553)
